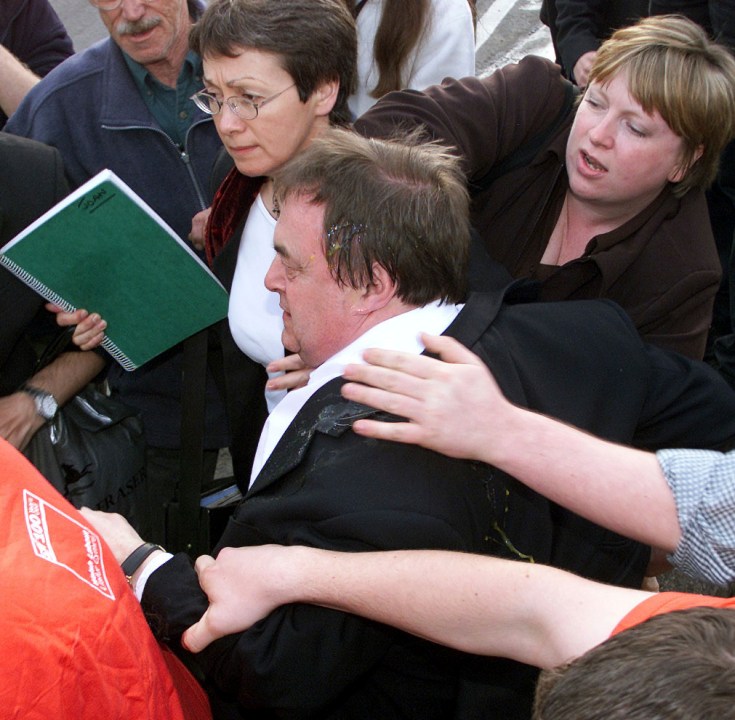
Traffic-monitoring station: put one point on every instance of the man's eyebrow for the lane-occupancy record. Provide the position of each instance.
(281, 250)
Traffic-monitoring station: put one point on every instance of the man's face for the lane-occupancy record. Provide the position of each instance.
(150, 32)
(319, 316)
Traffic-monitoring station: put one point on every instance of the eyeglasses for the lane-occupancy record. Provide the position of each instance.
(242, 107)
(108, 5)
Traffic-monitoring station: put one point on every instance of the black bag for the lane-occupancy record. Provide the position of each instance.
(93, 453)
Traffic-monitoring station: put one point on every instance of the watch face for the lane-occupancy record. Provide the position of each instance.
(46, 406)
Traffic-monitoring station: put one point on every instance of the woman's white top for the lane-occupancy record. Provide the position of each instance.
(446, 49)
(255, 317)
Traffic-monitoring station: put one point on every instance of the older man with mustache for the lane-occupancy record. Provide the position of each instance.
(124, 104)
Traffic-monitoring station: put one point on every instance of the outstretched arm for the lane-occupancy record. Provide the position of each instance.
(456, 408)
(531, 613)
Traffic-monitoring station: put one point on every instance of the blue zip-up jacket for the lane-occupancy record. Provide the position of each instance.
(91, 110)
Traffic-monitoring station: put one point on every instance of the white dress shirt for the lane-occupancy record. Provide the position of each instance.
(397, 333)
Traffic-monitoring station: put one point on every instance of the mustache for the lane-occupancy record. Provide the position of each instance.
(125, 27)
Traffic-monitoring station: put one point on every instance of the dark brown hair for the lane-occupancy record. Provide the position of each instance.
(315, 40)
(400, 204)
(677, 666)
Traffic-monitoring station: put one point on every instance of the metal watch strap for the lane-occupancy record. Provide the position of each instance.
(46, 404)
(133, 561)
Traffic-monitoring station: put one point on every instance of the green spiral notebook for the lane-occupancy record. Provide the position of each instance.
(104, 249)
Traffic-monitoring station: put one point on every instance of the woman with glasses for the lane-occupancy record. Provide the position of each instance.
(275, 76)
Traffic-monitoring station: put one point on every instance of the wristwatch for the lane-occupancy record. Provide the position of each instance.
(46, 405)
(133, 561)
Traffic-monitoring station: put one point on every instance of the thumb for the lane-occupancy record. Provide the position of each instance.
(199, 635)
(450, 350)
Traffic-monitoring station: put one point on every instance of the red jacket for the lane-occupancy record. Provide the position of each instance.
(75, 643)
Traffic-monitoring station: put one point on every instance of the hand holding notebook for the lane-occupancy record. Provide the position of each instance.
(103, 248)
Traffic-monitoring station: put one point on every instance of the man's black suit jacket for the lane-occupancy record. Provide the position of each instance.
(31, 181)
(325, 486)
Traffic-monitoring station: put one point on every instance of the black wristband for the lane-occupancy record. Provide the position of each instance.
(133, 561)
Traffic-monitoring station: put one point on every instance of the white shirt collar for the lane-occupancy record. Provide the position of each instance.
(400, 332)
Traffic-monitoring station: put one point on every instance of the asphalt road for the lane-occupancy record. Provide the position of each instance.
(82, 21)
(506, 29)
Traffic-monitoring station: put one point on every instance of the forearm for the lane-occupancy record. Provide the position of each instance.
(618, 487)
(298, 657)
(17, 81)
(68, 374)
(63, 378)
(531, 613)
(455, 407)
(477, 117)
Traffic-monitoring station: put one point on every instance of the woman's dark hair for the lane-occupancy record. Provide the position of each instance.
(315, 40)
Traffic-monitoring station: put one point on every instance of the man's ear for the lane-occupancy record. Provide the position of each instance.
(325, 97)
(378, 293)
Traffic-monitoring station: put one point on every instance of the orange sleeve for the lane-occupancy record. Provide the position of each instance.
(666, 602)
